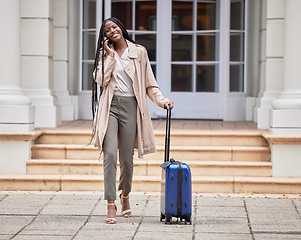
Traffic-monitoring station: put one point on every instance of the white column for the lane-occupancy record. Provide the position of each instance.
(286, 114)
(253, 29)
(37, 60)
(285, 141)
(272, 60)
(262, 58)
(60, 59)
(17, 114)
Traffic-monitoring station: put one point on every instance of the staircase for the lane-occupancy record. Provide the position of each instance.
(220, 162)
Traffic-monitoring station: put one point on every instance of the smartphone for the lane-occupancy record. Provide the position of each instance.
(109, 42)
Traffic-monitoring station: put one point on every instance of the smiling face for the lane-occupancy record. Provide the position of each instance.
(113, 32)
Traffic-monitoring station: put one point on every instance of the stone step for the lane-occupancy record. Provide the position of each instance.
(180, 153)
(150, 167)
(178, 138)
(205, 184)
(212, 138)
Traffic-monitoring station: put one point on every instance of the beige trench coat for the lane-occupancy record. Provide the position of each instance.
(144, 84)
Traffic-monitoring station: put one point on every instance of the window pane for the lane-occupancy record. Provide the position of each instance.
(206, 48)
(236, 47)
(146, 15)
(154, 68)
(181, 78)
(181, 47)
(237, 15)
(206, 79)
(236, 78)
(89, 14)
(149, 42)
(206, 18)
(89, 43)
(87, 69)
(123, 11)
(181, 15)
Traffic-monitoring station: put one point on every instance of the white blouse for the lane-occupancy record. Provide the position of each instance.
(124, 85)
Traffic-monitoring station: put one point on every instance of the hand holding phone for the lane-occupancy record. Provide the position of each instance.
(107, 47)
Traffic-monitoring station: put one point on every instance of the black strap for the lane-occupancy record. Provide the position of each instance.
(179, 189)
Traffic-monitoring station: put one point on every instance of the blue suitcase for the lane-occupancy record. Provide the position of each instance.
(175, 185)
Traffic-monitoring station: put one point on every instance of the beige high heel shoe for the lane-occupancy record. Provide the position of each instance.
(111, 220)
(126, 213)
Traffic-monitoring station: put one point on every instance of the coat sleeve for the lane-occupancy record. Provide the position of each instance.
(152, 89)
(109, 64)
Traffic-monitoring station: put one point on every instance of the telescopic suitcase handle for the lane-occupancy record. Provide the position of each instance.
(167, 134)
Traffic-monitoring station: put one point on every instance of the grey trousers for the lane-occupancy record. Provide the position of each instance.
(122, 126)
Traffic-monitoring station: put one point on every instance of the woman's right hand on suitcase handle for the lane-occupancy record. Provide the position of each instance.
(168, 104)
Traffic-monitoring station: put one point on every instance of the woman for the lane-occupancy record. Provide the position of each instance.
(122, 117)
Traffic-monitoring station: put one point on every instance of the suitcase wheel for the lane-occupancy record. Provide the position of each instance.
(168, 220)
(187, 219)
(162, 216)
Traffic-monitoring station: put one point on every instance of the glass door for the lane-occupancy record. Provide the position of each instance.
(192, 80)
(195, 58)
(88, 37)
(237, 40)
(235, 90)
(201, 58)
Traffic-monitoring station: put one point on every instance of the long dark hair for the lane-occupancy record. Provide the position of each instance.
(98, 50)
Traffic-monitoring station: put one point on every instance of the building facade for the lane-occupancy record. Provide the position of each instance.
(230, 60)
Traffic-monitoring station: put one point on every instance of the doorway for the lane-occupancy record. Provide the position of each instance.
(195, 47)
